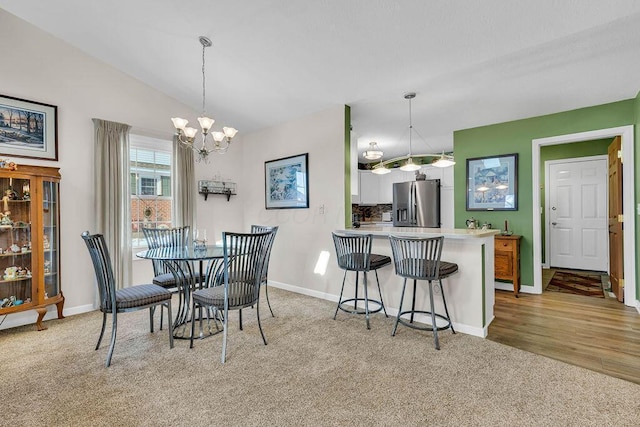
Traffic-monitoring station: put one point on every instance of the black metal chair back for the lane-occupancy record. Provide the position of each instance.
(417, 258)
(104, 272)
(165, 238)
(244, 262)
(353, 251)
(273, 230)
(262, 229)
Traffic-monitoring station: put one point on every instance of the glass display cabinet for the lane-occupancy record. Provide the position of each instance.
(30, 241)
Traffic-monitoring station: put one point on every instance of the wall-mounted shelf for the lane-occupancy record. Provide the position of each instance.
(217, 187)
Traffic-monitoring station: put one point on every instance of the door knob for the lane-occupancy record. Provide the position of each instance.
(554, 223)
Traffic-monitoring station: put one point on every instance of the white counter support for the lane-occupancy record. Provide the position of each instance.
(469, 292)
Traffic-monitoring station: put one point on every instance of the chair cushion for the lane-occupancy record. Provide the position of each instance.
(165, 280)
(377, 261)
(140, 296)
(168, 281)
(447, 269)
(240, 295)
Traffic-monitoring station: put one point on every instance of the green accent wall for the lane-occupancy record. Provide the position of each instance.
(516, 137)
(347, 166)
(636, 117)
(565, 151)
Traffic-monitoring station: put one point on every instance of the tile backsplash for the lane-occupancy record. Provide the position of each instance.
(370, 213)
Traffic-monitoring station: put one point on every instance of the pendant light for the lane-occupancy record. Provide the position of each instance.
(373, 153)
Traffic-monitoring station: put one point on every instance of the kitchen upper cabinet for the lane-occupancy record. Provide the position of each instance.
(378, 189)
(369, 188)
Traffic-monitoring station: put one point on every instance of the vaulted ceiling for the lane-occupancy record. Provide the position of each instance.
(470, 62)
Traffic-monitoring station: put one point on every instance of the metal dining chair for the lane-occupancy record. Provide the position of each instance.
(243, 269)
(418, 258)
(116, 301)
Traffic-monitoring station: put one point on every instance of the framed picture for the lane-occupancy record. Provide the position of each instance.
(287, 182)
(492, 183)
(28, 129)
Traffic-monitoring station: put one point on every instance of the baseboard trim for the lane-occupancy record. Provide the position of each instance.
(29, 317)
(505, 286)
(392, 312)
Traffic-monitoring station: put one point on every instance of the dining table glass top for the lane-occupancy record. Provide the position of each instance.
(183, 253)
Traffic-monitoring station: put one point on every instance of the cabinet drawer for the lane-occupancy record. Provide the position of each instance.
(504, 245)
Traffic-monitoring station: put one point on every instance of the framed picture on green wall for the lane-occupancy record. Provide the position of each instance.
(492, 183)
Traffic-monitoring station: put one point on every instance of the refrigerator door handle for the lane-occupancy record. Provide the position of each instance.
(413, 206)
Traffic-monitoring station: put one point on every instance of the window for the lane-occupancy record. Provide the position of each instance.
(151, 199)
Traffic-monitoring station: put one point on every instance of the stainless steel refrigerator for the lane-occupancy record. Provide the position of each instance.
(416, 204)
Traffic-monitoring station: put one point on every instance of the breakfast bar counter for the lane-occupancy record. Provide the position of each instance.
(469, 292)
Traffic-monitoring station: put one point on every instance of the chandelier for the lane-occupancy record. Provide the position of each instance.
(373, 153)
(187, 135)
(439, 160)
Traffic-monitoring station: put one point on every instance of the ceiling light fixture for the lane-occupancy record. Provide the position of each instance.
(373, 153)
(444, 161)
(380, 169)
(409, 166)
(438, 160)
(186, 135)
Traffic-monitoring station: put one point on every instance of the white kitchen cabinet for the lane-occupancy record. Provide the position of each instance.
(386, 188)
(369, 188)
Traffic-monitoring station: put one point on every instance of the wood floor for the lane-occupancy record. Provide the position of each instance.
(600, 334)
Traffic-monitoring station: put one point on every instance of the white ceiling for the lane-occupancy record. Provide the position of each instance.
(472, 63)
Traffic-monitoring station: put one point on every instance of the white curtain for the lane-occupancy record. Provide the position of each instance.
(113, 211)
(183, 186)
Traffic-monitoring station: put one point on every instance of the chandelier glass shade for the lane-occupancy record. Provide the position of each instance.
(381, 169)
(209, 142)
(444, 161)
(373, 153)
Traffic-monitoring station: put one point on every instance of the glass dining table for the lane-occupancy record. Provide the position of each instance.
(182, 263)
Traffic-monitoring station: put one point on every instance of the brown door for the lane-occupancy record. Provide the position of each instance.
(616, 254)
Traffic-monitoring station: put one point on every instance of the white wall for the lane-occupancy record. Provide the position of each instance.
(39, 67)
(303, 233)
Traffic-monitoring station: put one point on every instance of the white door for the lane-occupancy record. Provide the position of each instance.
(577, 215)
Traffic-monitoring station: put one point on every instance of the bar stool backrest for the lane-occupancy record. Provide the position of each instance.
(417, 257)
(353, 251)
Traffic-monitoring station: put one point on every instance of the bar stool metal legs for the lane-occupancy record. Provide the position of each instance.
(354, 254)
(419, 259)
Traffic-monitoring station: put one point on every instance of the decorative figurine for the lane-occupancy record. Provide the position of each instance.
(26, 192)
(10, 273)
(45, 242)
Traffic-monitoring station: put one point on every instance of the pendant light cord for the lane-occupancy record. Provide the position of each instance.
(204, 46)
(410, 128)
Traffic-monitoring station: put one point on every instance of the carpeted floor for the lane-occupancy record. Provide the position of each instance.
(314, 371)
(577, 282)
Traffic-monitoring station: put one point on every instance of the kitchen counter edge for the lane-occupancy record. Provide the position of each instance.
(449, 233)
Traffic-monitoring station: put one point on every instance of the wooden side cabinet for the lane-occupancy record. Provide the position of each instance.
(30, 241)
(507, 260)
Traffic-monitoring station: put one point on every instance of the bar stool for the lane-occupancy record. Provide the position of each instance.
(419, 259)
(354, 254)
